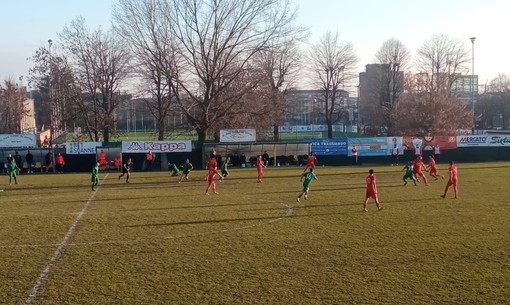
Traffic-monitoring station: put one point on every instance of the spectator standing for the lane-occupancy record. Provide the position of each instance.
(59, 163)
(354, 152)
(30, 162)
(48, 158)
(102, 160)
(437, 152)
(395, 154)
(19, 161)
(265, 158)
(149, 158)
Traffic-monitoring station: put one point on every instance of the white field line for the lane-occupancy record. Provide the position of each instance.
(57, 252)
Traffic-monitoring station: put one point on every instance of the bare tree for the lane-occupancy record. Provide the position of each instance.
(494, 106)
(334, 63)
(217, 41)
(146, 28)
(12, 107)
(431, 107)
(444, 59)
(394, 58)
(500, 84)
(99, 60)
(424, 112)
(52, 71)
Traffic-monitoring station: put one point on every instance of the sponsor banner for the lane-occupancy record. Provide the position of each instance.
(82, 148)
(238, 135)
(17, 140)
(369, 146)
(328, 147)
(156, 146)
(394, 142)
(484, 140)
(427, 143)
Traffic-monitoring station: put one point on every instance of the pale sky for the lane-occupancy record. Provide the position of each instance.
(26, 25)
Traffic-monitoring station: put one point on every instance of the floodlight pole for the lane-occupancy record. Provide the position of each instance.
(473, 80)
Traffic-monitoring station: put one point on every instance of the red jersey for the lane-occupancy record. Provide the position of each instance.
(453, 173)
(371, 188)
(59, 159)
(212, 164)
(417, 165)
(149, 156)
(432, 163)
(311, 160)
(259, 164)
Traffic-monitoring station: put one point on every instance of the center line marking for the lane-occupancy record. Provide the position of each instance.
(57, 252)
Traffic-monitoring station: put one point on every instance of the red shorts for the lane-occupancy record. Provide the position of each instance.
(450, 183)
(433, 171)
(371, 194)
(418, 173)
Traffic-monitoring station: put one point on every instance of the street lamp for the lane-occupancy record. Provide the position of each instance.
(473, 79)
(50, 95)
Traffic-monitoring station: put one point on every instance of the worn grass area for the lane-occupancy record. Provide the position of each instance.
(154, 241)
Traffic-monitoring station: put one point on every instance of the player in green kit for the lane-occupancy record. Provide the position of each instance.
(12, 169)
(224, 168)
(309, 176)
(409, 173)
(186, 168)
(174, 169)
(95, 176)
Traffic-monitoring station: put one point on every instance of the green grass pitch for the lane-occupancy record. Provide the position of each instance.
(154, 241)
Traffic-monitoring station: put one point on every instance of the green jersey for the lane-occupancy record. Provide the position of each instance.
(174, 169)
(309, 176)
(95, 174)
(186, 168)
(224, 170)
(11, 167)
(409, 169)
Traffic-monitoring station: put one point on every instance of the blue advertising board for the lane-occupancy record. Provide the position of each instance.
(328, 147)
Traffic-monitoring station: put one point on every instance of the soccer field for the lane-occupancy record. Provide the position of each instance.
(154, 241)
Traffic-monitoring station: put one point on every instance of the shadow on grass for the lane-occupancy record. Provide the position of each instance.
(197, 222)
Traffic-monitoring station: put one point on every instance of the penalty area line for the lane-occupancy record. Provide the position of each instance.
(30, 298)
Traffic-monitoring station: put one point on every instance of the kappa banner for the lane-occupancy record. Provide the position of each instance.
(484, 140)
(156, 146)
(82, 148)
(238, 135)
(17, 140)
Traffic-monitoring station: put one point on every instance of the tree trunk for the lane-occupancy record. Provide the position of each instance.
(276, 135)
(161, 129)
(106, 134)
(330, 131)
(201, 136)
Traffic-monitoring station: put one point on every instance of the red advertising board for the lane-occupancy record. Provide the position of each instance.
(428, 142)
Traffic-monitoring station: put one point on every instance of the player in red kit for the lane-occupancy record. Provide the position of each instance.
(212, 164)
(211, 182)
(260, 169)
(452, 181)
(371, 191)
(418, 165)
(312, 159)
(432, 167)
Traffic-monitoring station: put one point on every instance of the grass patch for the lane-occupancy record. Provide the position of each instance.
(154, 241)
